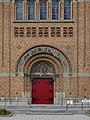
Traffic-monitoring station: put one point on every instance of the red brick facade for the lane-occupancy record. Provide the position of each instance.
(71, 38)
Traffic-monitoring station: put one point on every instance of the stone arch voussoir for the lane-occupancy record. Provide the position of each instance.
(43, 50)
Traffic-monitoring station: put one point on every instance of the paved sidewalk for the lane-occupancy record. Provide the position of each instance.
(45, 117)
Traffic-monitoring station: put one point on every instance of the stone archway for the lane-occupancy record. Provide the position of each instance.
(51, 56)
(43, 50)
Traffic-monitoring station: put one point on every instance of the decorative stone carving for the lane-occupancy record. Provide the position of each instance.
(42, 67)
(43, 50)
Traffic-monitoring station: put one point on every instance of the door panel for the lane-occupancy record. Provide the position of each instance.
(42, 91)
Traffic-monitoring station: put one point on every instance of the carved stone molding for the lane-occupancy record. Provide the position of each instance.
(43, 50)
(42, 68)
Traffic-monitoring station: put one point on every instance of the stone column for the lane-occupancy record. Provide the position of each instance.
(49, 10)
(37, 10)
(25, 10)
(62, 9)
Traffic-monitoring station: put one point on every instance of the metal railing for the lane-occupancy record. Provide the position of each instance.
(14, 101)
(75, 103)
(70, 103)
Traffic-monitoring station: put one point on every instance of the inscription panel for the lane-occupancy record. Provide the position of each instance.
(43, 50)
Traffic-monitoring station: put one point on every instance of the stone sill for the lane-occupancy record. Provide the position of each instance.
(43, 21)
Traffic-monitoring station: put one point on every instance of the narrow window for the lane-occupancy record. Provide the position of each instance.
(55, 9)
(31, 9)
(43, 9)
(19, 9)
(67, 9)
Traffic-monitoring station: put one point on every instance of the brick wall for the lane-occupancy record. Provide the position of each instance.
(12, 48)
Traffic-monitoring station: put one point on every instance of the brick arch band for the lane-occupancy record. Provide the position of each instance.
(43, 50)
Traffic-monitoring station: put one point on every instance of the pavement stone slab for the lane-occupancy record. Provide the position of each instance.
(46, 117)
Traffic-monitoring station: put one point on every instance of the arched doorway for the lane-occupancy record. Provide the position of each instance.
(42, 82)
(47, 64)
(42, 49)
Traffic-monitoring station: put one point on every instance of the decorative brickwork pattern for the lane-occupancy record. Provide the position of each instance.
(21, 31)
(70, 37)
(55, 32)
(43, 32)
(67, 31)
(16, 32)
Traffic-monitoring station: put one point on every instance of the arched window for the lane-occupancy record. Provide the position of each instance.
(55, 9)
(67, 9)
(19, 9)
(43, 9)
(31, 9)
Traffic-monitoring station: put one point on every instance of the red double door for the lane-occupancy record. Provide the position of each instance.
(42, 91)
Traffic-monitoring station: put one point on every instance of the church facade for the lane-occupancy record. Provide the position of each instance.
(45, 49)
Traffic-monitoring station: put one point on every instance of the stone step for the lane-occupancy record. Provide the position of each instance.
(47, 113)
(38, 111)
(47, 110)
(45, 106)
